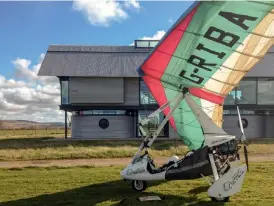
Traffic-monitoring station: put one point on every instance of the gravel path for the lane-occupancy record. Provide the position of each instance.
(105, 162)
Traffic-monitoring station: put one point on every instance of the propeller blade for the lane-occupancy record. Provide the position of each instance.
(240, 121)
(246, 157)
(243, 139)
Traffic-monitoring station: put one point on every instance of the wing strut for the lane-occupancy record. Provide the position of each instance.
(147, 142)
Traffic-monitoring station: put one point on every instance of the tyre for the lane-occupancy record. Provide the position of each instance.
(139, 185)
(219, 199)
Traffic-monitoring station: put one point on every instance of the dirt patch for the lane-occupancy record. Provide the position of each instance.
(105, 162)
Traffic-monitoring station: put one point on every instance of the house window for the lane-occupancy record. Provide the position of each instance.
(230, 98)
(265, 91)
(145, 43)
(246, 91)
(226, 112)
(249, 112)
(64, 92)
(153, 124)
(145, 94)
(104, 112)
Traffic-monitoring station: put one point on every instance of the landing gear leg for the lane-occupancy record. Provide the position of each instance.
(216, 177)
(139, 185)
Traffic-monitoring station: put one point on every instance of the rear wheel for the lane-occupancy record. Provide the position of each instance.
(139, 185)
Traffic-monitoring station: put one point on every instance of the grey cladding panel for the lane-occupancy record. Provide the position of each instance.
(264, 68)
(256, 126)
(131, 91)
(96, 90)
(88, 127)
(269, 126)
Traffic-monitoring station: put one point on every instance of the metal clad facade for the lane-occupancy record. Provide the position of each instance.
(259, 126)
(88, 127)
(104, 91)
(256, 125)
(269, 133)
(131, 91)
(107, 76)
(265, 68)
(96, 90)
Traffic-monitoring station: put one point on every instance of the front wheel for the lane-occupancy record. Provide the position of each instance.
(139, 185)
(220, 199)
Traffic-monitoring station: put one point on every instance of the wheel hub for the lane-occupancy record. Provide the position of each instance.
(138, 184)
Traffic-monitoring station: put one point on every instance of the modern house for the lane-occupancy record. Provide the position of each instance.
(102, 89)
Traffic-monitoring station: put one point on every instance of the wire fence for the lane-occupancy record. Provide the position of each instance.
(34, 131)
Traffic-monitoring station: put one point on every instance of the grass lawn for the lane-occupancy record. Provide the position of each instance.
(32, 132)
(36, 148)
(103, 186)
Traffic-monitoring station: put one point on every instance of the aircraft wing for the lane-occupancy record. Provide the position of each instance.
(209, 50)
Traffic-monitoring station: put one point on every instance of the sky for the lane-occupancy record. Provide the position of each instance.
(28, 28)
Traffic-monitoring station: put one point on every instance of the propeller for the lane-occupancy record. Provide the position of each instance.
(243, 138)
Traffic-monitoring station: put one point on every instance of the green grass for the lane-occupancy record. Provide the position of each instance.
(103, 186)
(32, 132)
(40, 149)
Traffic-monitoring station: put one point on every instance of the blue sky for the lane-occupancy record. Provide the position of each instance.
(28, 28)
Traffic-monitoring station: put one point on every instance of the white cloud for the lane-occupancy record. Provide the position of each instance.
(102, 12)
(32, 97)
(24, 71)
(10, 83)
(132, 3)
(157, 36)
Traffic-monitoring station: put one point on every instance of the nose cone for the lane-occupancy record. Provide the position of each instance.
(123, 173)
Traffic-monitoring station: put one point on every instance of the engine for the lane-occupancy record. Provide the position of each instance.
(228, 148)
(225, 153)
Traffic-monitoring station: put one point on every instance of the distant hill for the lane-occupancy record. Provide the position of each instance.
(25, 124)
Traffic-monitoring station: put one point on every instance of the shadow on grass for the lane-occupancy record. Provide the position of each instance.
(45, 142)
(109, 193)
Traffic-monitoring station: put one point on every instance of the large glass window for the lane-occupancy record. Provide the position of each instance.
(266, 91)
(146, 43)
(248, 111)
(145, 94)
(230, 98)
(104, 112)
(64, 94)
(226, 112)
(153, 123)
(246, 91)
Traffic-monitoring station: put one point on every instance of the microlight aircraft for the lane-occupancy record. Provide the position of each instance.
(202, 57)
